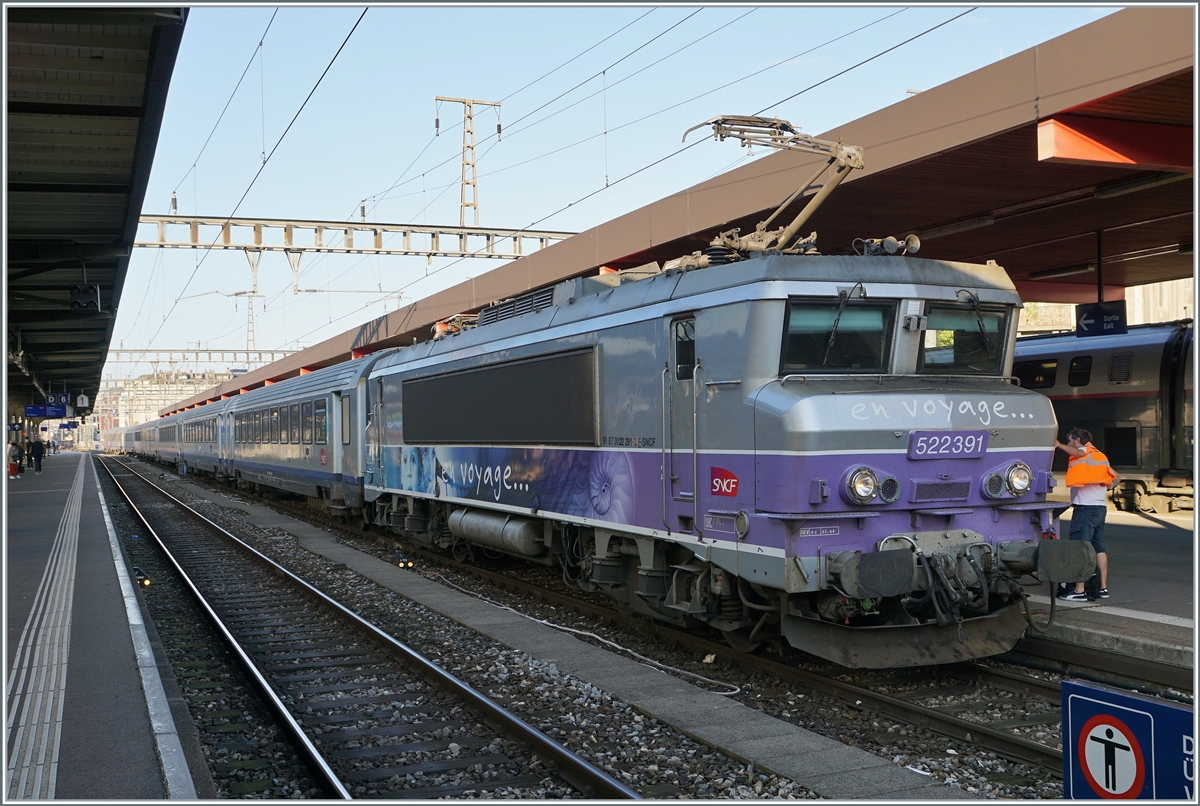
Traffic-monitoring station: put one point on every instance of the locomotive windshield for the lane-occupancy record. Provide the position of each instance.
(859, 343)
(961, 340)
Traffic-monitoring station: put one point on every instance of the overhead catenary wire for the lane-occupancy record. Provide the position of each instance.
(264, 165)
(261, 39)
(656, 113)
(535, 81)
(673, 154)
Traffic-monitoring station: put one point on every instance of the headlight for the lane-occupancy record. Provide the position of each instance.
(862, 485)
(1019, 478)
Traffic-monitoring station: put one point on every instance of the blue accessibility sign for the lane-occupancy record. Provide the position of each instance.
(1122, 745)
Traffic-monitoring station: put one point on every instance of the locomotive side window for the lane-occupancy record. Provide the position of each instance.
(961, 340)
(685, 349)
(306, 418)
(319, 429)
(295, 417)
(837, 336)
(1039, 374)
(1080, 372)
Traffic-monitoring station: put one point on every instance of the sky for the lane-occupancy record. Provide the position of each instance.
(594, 102)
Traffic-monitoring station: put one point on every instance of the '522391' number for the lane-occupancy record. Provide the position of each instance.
(947, 444)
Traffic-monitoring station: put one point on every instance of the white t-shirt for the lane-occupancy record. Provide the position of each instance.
(1090, 495)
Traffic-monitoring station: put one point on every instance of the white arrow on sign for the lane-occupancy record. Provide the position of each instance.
(1086, 320)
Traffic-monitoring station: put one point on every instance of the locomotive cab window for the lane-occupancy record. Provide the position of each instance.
(961, 340)
(839, 336)
(685, 348)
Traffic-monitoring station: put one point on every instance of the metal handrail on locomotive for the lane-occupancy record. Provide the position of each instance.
(826, 450)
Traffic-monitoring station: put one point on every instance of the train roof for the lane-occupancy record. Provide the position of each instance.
(586, 298)
(1153, 333)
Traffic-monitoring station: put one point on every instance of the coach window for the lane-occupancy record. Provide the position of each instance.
(319, 429)
(964, 340)
(295, 418)
(266, 427)
(281, 435)
(685, 349)
(1080, 371)
(306, 420)
(345, 421)
(275, 424)
(1037, 374)
(842, 336)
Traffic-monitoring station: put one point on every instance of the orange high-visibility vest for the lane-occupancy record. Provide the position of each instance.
(1091, 468)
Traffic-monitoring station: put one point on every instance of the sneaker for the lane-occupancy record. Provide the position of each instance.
(1074, 596)
(1104, 593)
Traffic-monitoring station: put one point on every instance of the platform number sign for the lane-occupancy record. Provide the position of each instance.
(1118, 745)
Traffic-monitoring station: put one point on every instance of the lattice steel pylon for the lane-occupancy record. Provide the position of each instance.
(252, 256)
(468, 163)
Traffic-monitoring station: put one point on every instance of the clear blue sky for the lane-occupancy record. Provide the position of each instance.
(637, 78)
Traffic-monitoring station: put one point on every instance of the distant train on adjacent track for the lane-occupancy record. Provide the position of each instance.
(1134, 392)
(826, 450)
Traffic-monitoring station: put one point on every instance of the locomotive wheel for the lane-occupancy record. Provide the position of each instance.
(739, 640)
(461, 551)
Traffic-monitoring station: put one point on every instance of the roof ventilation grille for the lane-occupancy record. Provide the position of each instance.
(526, 303)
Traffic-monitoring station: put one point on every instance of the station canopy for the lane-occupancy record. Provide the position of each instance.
(87, 86)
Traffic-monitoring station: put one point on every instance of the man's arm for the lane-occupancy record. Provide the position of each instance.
(1068, 450)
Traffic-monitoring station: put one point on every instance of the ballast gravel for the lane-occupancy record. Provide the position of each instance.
(647, 756)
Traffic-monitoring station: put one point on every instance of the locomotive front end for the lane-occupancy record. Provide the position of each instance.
(905, 476)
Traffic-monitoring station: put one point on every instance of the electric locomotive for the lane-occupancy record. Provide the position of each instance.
(778, 444)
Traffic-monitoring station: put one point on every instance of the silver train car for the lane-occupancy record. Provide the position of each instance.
(765, 447)
(297, 436)
(1134, 392)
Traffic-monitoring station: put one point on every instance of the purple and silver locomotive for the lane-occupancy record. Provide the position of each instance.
(761, 446)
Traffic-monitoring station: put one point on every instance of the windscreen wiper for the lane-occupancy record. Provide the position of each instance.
(845, 297)
(987, 344)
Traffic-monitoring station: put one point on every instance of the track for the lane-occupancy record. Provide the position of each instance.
(974, 691)
(369, 716)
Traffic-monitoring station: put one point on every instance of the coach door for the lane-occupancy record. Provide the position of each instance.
(372, 462)
(679, 407)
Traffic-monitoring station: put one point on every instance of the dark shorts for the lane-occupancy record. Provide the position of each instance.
(1087, 523)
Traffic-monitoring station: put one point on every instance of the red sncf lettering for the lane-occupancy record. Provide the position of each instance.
(724, 482)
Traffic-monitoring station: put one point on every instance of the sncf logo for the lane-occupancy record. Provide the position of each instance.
(724, 482)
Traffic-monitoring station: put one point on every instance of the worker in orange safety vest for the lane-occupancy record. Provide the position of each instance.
(1089, 478)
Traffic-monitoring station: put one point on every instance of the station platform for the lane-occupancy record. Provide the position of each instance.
(1150, 612)
(88, 716)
